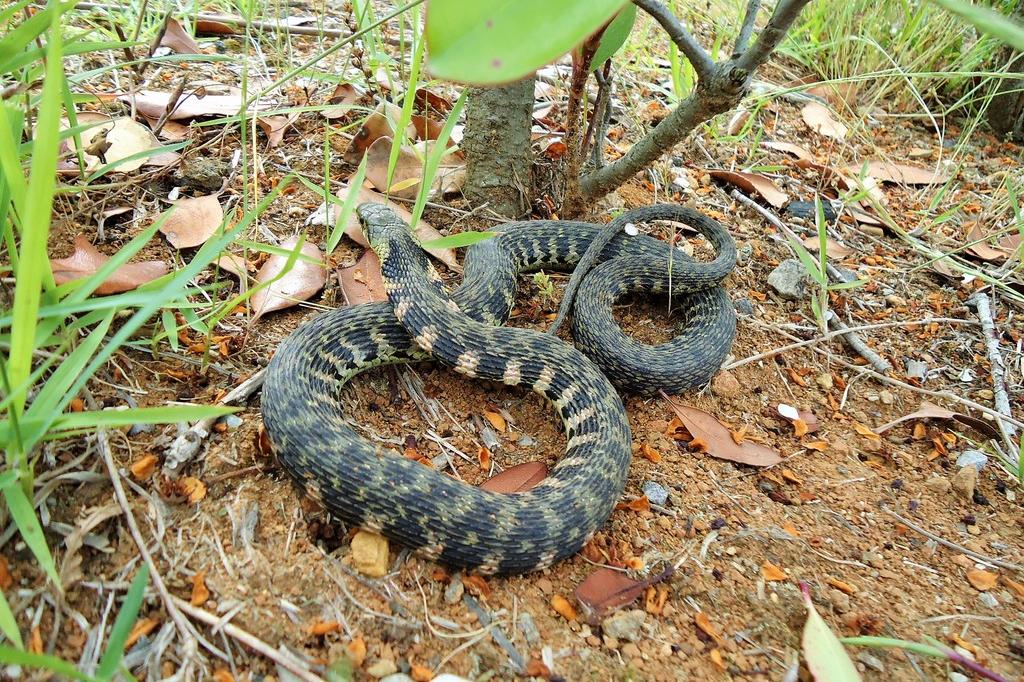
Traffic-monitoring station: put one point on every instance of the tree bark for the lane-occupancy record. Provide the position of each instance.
(1006, 110)
(497, 146)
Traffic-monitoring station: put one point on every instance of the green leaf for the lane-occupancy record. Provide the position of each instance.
(436, 152)
(24, 517)
(615, 35)
(8, 624)
(826, 658)
(987, 21)
(456, 240)
(126, 618)
(42, 661)
(503, 40)
(354, 183)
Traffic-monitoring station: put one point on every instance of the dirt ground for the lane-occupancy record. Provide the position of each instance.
(740, 538)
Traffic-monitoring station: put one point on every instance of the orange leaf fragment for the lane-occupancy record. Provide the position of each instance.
(649, 453)
(35, 642)
(795, 377)
(739, 436)
(323, 627)
(865, 431)
(819, 445)
(420, 673)
(799, 427)
(356, 651)
(563, 608)
(982, 580)
(223, 675)
(143, 627)
(477, 585)
(484, 457)
(772, 573)
(6, 579)
(1015, 586)
(752, 182)
(192, 488)
(200, 593)
(716, 658)
(841, 585)
(789, 476)
(639, 504)
(654, 599)
(144, 467)
(536, 668)
(496, 420)
(791, 529)
(701, 621)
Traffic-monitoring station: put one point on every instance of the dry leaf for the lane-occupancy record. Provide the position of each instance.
(381, 123)
(752, 182)
(356, 651)
(982, 580)
(840, 585)
(772, 573)
(804, 157)
(208, 27)
(704, 623)
(884, 171)
(1007, 246)
(866, 432)
(563, 608)
(408, 171)
(363, 282)
(1012, 584)
(193, 221)
(275, 126)
(298, 284)
(832, 248)
(200, 593)
(606, 589)
(177, 38)
(323, 627)
(517, 479)
(477, 585)
(223, 675)
(819, 119)
(86, 260)
(639, 504)
(649, 453)
(496, 420)
(118, 139)
(708, 431)
(420, 673)
(192, 104)
(836, 94)
(235, 264)
(424, 231)
(144, 467)
(738, 120)
(345, 96)
(819, 445)
(192, 488)
(927, 410)
(6, 579)
(143, 627)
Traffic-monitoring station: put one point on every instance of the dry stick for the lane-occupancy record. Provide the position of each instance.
(749, 19)
(830, 335)
(952, 545)
(122, 500)
(1001, 398)
(684, 40)
(286, 661)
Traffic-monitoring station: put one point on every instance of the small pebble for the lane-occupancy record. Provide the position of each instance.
(529, 629)
(527, 441)
(870, 661)
(938, 485)
(917, 369)
(987, 599)
(725, 385)
(453, 593)
(886, 397)
(825, 381)
(744, 307)
(895, 301)
(965, 481)
(972, 458)
(789, 279)
(655, 492)
(624, 625)
(958, 677)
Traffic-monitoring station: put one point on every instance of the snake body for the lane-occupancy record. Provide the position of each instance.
(440, 517)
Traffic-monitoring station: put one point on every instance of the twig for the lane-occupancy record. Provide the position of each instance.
(749, 19)
(857, 344)
(286, 661)
(952, 545)
(133, 528)
(188, 442)
(687, 44)
(1001, 398)
(771, 35)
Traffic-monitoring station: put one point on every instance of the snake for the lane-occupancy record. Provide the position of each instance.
(373, 487)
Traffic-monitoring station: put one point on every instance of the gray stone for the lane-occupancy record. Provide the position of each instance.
(529, 629)
(988, 600)
(789, 280)
(397, 677)
(453, 593)
(958, 677)
(917, 369)
(972, 458)
(655, 492)
(870, 661)
(527, 441)
(744, 307)
(965, 482)
(625, 625)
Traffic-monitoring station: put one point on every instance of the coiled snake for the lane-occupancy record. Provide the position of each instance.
(378, 489)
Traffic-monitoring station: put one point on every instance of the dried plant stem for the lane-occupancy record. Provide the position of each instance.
(857, 344)
(952, 545)
(1001, 398)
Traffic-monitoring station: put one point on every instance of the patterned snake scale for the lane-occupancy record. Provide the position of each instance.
(445, 519)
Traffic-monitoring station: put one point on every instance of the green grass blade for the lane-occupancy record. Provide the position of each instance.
(25, 519)
(437, 152)
(354, 183)
(53, 664)
(8, 624)
(455, 241)
(126, 618)
(987, 21)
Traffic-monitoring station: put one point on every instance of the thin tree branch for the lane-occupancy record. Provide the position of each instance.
(783, 17)
(747, 29)
(701, 60)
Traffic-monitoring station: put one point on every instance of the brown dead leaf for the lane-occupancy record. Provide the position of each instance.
(362, 282)
(563, 608)
(424, 230)
(819, 119)
(772, 573)
(345, 96)
(496, 420)
(235, 264)
(606, 589)
(432, 101)
(716, 658)
(752, 182)
(6, 579)
(298, 284)
(832, 248)
(420, 673)
(1005, 248)
(356, 651)
(191, 488)
(840, 585)
(483, 456)
(177, 38)
(883, 171)
(144, 467)
(982, 580)
(702, 621)
(208, 27)
(929, 410)
(1017, 587)
(715, 437)
(477, 585)
(381, 123)
(323, 627)
(35, 641)
(275, 126)
(638, 504)
(805, 157)
(117, 139)
(223, 675)
(517, 479)
(865, 431)
(200, 593)
(836, 94)
(192, 221)
(143, 627)
(86, 260)
(819, 445)
(738, 121)
(408, 172)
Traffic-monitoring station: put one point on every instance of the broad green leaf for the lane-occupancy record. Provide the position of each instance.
(826, 658)
(123, 625)
(614, 37)
(503, 40)
(987, 21)
(8, 624)
(53, 664)
(456, 240)
(24, 517)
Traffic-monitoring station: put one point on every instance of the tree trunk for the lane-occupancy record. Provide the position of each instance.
(497, 146)
(1006, 110)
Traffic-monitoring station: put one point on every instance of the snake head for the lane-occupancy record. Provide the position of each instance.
(378, 221)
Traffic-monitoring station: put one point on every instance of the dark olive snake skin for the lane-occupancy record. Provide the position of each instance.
(440, 517)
